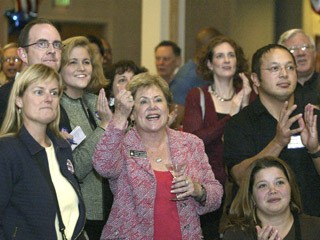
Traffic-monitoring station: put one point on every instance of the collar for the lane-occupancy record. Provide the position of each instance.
(34, 147)
(70, 98)
(314, 77)
(260, 109)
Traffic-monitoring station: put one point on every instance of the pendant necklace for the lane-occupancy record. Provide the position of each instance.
(221, 99)
(154, 151)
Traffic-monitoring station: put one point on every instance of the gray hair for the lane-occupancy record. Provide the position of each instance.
(292, 32)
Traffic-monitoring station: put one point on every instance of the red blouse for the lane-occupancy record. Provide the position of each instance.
(166, 218)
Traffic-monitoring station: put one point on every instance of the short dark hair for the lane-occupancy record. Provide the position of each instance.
(257, 56)
(119, 68)
(167, 43)
(97, 41)
(23, 39)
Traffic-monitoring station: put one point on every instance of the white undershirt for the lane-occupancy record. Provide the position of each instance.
(67, 197)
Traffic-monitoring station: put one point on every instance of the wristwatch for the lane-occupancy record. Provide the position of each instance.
(203, 195)
(315, 155)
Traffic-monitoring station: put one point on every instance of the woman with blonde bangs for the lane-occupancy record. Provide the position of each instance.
(39, 195)
(268, 206)
(13, 121)
(82, 76)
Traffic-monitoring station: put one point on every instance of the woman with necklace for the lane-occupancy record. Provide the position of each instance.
(223, 64)
(136, 165)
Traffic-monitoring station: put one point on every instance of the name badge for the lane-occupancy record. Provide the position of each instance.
(140, 154)
(295, 142)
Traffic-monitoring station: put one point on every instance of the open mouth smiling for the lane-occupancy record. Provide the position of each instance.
(153, 116)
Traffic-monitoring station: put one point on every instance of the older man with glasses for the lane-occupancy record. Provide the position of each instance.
(11, 63)
(39, 42)
(302, 46)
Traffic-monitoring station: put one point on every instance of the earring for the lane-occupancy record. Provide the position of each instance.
(131, 123)
(253, 202)
(19, 110)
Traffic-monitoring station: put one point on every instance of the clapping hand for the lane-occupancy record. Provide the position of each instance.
(268, 233)
(123, 107)
(242, 98)
(236, 103)
(283, 132)
(309, 133)
(246, 88)
(103, 110)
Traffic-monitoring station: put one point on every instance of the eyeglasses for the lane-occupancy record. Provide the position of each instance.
(44, 44)
(277, 68)
(303, 48)
(9, 59)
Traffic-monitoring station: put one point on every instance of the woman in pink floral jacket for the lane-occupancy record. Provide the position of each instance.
(135, 162)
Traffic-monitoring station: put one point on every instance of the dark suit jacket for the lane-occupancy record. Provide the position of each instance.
(5, 91)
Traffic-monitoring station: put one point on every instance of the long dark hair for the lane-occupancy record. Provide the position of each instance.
(207, 55)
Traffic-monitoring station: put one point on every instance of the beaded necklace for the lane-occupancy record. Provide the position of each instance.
(221, 99)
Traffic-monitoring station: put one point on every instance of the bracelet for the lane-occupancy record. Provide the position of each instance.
(203, 195)
(315, 155)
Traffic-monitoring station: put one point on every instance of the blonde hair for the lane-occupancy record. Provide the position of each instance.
(145, 80)
(98, 79)
(35, 73)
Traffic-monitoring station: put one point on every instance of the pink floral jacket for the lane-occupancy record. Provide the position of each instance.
(121, 158)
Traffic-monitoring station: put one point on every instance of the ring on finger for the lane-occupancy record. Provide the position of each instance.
(187, 182)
